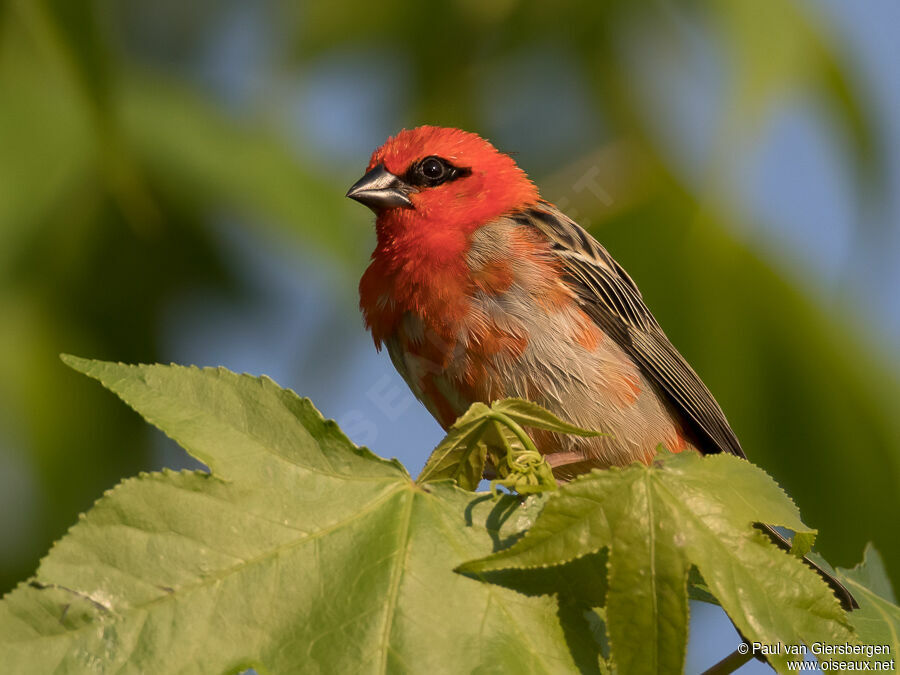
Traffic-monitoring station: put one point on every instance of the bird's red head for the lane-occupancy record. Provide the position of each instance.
(440, 177)
(431, 188)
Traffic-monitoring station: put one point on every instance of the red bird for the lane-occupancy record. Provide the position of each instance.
(482, 290)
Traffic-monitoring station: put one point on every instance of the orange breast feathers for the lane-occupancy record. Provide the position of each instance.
(434, 273)
(419, 272)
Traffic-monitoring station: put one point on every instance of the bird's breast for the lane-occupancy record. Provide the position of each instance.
(516, 329)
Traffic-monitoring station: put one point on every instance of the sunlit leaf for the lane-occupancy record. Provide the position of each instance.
(300, 551)
(530, 414)
(461, 455)
(656, 522)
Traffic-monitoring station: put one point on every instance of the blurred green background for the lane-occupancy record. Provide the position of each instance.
(171, 189)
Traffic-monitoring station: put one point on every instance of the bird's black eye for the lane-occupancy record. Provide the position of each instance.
(433, 171)
(433, 168)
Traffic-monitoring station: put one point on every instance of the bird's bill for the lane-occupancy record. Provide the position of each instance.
(380, 189)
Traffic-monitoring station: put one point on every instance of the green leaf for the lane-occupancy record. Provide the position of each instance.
(580, 587)
(299, 551)
(698, 590)
(462, 453)
(877, 621)
(659, 520)
(802, 543)
(496, 432)
(530, 414)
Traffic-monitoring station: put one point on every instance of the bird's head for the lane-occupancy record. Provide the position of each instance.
(442, 177)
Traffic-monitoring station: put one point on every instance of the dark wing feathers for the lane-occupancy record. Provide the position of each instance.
(610, 297)
(610, 288)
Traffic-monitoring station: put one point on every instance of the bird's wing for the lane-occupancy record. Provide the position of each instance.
(610, 297)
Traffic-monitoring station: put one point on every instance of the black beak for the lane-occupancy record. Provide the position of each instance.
(380, 189)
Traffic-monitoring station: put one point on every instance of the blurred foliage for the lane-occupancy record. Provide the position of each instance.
(116, 161)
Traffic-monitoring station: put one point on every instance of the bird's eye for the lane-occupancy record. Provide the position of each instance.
(433, 168)
(433, 171)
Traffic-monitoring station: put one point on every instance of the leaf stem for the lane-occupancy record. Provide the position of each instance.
(516, 429)
(730, 663)
(526, 470)
(498, 427)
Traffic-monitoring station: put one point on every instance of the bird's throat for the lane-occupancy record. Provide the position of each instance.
(420, 270)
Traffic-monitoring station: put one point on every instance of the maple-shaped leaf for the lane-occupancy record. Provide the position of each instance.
(298, 552)
(657, 522)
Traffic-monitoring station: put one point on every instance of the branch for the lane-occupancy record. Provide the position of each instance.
(732, 662)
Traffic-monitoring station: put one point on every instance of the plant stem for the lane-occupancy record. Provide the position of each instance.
(730, 663)
(525, 439)
(507, 446)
